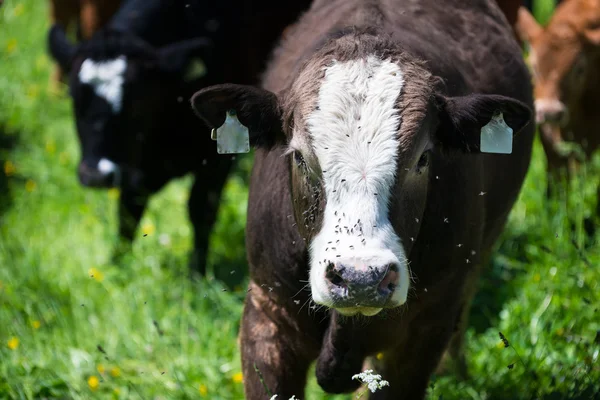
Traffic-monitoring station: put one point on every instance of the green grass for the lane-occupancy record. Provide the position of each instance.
(540, 291)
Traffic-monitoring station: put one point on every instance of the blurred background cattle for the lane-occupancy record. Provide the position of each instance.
(564, 57)
(79, 323)
(131, 83)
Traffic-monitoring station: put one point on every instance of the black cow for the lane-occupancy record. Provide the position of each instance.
(130, 85)
(373, 182)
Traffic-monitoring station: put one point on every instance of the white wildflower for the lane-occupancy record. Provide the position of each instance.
(373, 381)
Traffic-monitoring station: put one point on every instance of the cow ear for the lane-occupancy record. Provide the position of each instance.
(257, 109)
(463, 117)
(177, 58)
(60, 48)
(526, 26)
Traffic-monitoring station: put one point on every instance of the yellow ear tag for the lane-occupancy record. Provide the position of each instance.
(232, 136)
(496, 136)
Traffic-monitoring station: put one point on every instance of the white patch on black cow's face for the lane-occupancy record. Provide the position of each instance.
(354, 131)
(107, 167)
(106, 78)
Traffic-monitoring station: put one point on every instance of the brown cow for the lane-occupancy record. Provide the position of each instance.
(87, 15)
(565, 59)
(370, 183)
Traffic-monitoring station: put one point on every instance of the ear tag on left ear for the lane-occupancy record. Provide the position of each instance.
(496, 136)
(232, 136)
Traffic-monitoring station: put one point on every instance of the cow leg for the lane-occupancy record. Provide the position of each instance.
(339, 358)
(409, 367)
(203, 205)
(454, 357)
(131, 208)
(276, 353)
(550, 137)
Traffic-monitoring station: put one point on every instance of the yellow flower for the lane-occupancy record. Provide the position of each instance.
(238, 378)
(100, 369)
(113, 193)
(500, 344)
(33, 91)
(148, 228)
(537, 277)
(115, 372)
(36, 324)
(63, 158)
(9, 168)
(203, 389)
(13, 343)
(380, 356)
(50, 147)
(41, 62)
(19, 9)
(30, 185)
(96, 274)
(11, 46)
(93, 382)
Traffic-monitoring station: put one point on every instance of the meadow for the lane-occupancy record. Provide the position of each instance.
(76, 325)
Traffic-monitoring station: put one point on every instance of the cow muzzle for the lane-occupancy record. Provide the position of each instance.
(105, 174)
(550, 111)
(355, 286)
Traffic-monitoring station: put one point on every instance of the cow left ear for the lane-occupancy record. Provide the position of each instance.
(256, 109)
(60, 48)
(176, 58)
(462, 119)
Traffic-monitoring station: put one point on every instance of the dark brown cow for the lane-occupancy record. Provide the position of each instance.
(565, 59)
(87, 15)
(370, 189)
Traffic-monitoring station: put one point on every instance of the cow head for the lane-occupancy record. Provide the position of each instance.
(119, 86)
(563, 57)
(359, 132)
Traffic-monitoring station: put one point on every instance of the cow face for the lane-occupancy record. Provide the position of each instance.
(359, 135)
(562, 57)
(120, 87)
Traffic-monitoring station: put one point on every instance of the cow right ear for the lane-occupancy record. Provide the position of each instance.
(526, 26)
(61, 49)
(256, 108)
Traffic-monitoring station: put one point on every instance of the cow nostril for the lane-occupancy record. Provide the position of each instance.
(334, 275)
(390, 280)
(337, 280)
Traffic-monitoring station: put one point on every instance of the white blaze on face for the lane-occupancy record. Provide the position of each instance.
(354, 133)
(106, 78)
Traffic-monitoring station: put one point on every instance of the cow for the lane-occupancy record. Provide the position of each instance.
(88, 16)
(130, 85)
(373, 199)
(564, 60)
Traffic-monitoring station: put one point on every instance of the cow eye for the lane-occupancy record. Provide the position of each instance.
(299, 159)
(423, 161)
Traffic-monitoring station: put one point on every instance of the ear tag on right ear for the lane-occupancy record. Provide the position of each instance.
(496, 136)
(232, 136)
